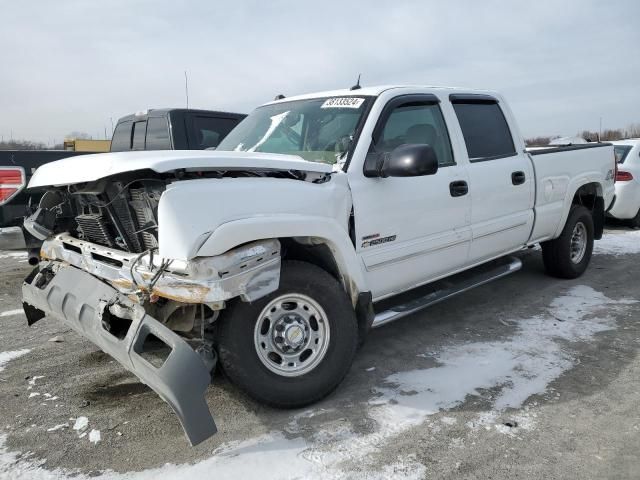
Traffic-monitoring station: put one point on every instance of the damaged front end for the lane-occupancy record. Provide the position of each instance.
(102, 276)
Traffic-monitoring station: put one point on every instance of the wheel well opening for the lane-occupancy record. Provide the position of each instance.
(590, 196)
(320, 255)
(317, 254)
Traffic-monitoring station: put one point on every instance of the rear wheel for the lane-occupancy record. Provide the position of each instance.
(294, 346)
(569, 255)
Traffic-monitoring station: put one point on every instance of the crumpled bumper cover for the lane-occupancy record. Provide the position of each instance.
(119, 327)
(249, 272)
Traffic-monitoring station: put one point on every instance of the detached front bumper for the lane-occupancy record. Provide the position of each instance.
(120, 327)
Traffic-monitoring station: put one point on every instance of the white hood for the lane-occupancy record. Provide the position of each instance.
(88, 168)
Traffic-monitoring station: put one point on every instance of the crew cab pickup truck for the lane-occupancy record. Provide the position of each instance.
(318, 217)
(156, 129)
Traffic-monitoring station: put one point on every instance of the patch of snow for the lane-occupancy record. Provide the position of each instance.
(58, 427)
(370, 369)
(622, 243)
(81, 423)
(94, 436)
(33, 380)
(34, 394)
(449, 420)
(10, 313)
(6, 357)
(519, 367)
(8, 254)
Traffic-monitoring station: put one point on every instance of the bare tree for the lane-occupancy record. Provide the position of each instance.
(22, 145)
(537, 141)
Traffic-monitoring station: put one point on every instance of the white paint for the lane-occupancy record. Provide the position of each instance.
(537, 353)
(81, 423)
(73, 170)
(6, 357)
(94, 436)
(10, 313)
(618, 243)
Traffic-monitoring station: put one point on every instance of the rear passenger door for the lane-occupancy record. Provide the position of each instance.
(501, 182)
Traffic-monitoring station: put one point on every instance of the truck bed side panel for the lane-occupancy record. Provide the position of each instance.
(560, 172)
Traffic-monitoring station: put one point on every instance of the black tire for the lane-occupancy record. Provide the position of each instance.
(635, 221)
(242, 365)
(556, 254)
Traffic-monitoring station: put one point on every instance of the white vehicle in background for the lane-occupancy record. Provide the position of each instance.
(316, 218)
(627, 203)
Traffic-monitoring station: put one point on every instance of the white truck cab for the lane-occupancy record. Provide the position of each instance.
(316, 218)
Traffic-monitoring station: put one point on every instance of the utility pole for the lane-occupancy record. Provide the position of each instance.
(186, 87)
(111, 118)
(600, 131)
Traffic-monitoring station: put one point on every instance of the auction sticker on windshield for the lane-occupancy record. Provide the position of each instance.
(342, 102)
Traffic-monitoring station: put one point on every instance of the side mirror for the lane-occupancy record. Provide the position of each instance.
(409, 160)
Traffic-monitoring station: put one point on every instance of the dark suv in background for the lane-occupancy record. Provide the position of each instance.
(173, 129)
(158, 129)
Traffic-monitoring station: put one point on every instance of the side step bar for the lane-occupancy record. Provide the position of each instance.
(405, 304)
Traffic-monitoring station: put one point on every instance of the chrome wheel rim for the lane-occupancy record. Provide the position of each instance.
(291, 336)
(578, 242)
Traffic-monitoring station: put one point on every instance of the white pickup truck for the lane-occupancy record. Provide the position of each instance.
(318, 217)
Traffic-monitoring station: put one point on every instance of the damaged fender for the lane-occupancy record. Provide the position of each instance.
(119, 327)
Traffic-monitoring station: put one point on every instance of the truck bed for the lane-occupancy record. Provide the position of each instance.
(559, 170)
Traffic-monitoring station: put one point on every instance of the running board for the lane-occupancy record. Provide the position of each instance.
(394, 308)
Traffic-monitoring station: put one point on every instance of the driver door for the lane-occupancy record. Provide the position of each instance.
(410, 230)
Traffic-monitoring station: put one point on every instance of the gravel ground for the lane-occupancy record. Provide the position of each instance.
(528, 376)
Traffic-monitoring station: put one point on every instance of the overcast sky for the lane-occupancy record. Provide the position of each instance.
(73, 65)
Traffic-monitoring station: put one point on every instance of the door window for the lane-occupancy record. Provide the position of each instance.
(485, 130)
(416, 123)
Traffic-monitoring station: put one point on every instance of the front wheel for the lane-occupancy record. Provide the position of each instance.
(569, 255)
(294, 346)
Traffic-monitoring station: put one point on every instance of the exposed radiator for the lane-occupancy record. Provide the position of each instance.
(144, 217)
(94, 229)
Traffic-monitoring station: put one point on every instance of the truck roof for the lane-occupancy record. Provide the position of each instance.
(377, 90)
(161, 112)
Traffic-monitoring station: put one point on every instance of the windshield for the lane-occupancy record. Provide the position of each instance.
(318, 129)
(621, 152)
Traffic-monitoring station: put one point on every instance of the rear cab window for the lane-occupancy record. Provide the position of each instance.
(121, 140)
(484, 127)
